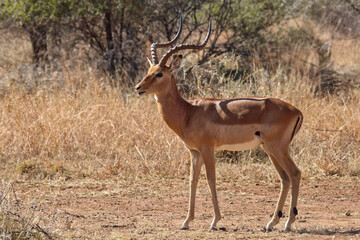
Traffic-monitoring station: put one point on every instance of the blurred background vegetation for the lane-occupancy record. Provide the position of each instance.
(117, 34)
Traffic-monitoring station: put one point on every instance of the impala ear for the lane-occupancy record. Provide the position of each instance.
(175, 64)
(149, 61)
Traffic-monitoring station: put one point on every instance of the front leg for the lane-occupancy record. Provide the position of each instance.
(196, 163)
(209, 160)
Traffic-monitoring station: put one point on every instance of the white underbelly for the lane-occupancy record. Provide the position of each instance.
(240, 146)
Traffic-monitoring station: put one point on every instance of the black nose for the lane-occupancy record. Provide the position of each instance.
(138, 88)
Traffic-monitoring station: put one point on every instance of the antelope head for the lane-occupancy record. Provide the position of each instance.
(159, 74)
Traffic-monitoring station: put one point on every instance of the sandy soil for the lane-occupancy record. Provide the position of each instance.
(155, 209)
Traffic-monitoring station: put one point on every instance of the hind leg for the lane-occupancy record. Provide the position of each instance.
(283, 160)
(285, 185)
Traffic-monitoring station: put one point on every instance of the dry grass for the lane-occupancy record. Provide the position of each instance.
(17, 220)
(94, 131)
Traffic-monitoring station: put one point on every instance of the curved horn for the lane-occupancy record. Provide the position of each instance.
(162, 45)
(173, 50)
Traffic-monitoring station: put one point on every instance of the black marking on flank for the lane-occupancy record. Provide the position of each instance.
(295, 211)
(280, 214)
(257, 133)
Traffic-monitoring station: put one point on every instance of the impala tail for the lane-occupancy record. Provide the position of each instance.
(297, 126)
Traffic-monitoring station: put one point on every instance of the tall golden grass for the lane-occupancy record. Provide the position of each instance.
(83, 128)
(98, 131)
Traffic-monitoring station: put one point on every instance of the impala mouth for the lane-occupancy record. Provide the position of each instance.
(141, 92)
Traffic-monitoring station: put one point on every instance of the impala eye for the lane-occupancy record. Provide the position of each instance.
(159, 74)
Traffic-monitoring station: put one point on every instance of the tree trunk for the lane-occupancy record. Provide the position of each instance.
(110, 44)
(38, 41)
(122, 59)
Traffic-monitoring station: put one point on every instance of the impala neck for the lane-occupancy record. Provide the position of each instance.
(173, 108)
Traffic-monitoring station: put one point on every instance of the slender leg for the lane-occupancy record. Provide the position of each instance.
(209, 160)
(287, 164)
(285, 185)
(196, 163)
(295, 185)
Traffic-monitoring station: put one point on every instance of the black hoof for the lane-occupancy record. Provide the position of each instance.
(222, 229)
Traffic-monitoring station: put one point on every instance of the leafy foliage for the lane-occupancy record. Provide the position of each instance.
(35, 11)
(134, 24)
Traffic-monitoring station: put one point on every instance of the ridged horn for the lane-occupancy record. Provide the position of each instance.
(175, 49)
(162, 45)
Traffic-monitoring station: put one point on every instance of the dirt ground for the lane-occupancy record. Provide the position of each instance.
(155, 209)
